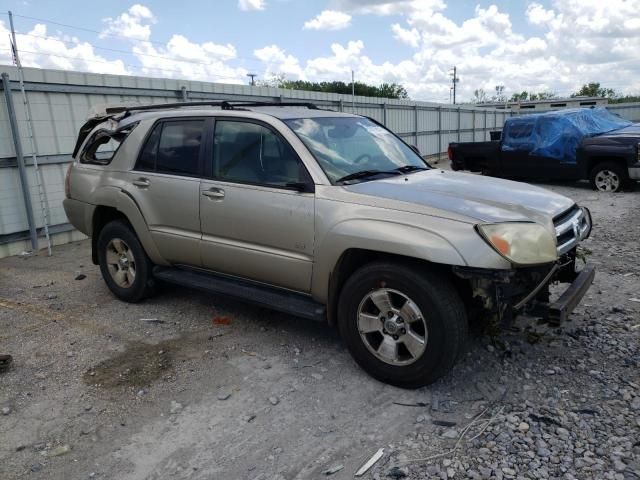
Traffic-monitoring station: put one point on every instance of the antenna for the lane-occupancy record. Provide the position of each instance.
(455, 79)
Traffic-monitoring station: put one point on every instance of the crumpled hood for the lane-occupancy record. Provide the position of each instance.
(485, 199)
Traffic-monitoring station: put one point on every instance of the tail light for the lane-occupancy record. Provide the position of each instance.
(450, 152)
(67, 182)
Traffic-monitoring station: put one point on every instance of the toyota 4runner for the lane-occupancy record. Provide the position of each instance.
(323, 215)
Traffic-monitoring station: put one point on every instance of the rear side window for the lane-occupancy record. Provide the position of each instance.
(103, 145)
(173, 147)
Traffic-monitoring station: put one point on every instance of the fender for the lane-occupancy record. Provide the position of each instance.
(381, 236)
(125, 204)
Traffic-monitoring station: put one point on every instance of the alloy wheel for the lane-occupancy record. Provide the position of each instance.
(392, 327)
(121, 263)
(607, 181)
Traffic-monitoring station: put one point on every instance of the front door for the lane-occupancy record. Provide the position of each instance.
(165, 184)
(257, 220)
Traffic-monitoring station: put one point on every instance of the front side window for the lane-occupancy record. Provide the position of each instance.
(344, 146)
(250, 153)
(173, 147)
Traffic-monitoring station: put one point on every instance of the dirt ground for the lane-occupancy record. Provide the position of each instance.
(187, 385)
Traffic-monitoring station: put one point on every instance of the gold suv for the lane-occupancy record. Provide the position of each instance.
(324, 215)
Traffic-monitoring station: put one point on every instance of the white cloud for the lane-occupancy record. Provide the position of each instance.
(575, 41)
(134, 23)
(538, 15)
(40, 49)
(410, 37)
(329, 20)
(567, 43)
(388, 7)
(247, 5)
(278, 62)
(178, 58)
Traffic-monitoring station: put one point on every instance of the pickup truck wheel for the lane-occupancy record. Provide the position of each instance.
(124, 265)
(403, 326)
(608, 177)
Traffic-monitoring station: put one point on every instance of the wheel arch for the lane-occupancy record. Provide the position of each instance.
(595, 160)
(126, 209)
(353, 259)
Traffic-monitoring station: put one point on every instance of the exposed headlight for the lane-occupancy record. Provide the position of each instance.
(520, 243)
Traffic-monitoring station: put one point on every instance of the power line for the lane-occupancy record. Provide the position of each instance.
(139, 67)
(97, 47)
(107, 34)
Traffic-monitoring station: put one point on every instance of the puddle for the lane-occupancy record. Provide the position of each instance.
(143, 363)
(139, 365)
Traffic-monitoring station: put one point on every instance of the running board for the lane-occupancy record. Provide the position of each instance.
(282, 300)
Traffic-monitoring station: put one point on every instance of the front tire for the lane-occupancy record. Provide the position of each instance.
(420, 335)
(608, 177)
(124, 265)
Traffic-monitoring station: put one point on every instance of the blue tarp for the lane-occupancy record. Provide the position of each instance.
(557, 134)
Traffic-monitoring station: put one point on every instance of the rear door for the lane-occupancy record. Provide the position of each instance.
(256, 223)
(165, 184)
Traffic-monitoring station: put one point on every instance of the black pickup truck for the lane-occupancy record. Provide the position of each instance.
(574, 144)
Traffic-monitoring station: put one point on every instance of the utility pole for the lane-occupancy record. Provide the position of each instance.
(44, 207)
(253, 76)
(455, 81)
(353, 92)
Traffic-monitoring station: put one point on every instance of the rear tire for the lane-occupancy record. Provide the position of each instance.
(608, 177)
(124, 265)
(435, 315)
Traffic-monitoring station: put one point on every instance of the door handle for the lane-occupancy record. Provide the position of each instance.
(216, 193)
(141, 182)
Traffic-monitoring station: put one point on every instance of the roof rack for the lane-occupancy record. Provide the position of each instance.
(224, 105)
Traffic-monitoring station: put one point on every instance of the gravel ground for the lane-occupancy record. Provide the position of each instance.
(186, 385)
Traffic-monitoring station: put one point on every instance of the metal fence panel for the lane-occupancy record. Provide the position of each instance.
(630, 111)
(61, 100)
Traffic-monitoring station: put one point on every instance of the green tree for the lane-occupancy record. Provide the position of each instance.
(593, 89)
(530, 96)
(625, 99)
(386, 90)
(479, 96)
(392, 90)
(520, 97)
(546, 96)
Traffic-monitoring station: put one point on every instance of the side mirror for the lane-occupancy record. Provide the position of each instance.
(415, 149)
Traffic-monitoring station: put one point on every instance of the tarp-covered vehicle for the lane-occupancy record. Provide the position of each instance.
(573, 144)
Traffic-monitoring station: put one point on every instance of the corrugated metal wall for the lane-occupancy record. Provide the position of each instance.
(60, 102)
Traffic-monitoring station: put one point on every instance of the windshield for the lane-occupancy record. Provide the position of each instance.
(344, 146)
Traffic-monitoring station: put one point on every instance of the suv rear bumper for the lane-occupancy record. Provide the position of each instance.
(634, 171)
(80, 214)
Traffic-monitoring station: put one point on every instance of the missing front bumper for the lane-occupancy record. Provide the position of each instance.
(559, 310)
(509, 292)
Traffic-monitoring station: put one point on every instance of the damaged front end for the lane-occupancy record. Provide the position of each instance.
(525, 290)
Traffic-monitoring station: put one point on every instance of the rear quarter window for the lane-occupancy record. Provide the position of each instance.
(103, 145)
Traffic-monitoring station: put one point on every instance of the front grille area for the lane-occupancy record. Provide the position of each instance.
(571, 227)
